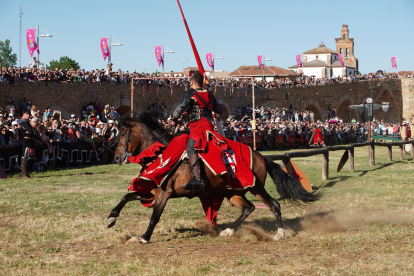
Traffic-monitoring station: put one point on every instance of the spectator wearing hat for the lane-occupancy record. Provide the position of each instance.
(113, 115)
(74, 118)
(12, 114)
(9, 106)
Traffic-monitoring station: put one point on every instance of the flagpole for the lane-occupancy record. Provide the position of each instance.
(38, 29)
(214, 54)
(110, 50)
(132, 98)
(263, 62)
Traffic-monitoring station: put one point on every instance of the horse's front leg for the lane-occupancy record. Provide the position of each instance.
(161, 198)
(117, 210)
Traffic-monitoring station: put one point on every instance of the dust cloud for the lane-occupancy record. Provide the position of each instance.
(355, 220)
(206, 228)
(256, 232)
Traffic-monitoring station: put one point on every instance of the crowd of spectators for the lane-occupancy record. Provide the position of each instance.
(276, 128)
(36, 72)
(96, 126)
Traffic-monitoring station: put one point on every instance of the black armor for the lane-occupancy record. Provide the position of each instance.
(190, 111)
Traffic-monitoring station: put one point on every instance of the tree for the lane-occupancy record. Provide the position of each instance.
(63, 64)
(7, 59)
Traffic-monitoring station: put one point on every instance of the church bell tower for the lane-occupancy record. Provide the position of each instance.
(345, 46)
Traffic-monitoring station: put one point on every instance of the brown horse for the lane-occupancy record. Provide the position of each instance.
(135, 135)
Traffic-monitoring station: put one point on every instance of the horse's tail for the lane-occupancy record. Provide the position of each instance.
(288, 187)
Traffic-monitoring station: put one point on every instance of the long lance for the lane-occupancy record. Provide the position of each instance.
(200, 66)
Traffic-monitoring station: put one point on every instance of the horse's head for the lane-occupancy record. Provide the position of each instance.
(128, 141)
(138, 134)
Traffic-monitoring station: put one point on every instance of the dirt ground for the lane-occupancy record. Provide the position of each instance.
(55, 224)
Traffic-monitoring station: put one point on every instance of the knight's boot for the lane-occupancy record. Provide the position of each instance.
(25, 174)
(195, 183)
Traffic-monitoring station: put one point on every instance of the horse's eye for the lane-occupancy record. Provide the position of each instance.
(123, 134)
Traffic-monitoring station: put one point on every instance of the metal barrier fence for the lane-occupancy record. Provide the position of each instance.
(81, 152)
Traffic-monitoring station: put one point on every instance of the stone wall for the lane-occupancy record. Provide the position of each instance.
(70, 98)
(408, 99)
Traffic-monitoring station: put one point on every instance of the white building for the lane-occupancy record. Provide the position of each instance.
(322, 62)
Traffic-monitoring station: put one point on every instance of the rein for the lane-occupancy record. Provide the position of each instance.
(128, 154)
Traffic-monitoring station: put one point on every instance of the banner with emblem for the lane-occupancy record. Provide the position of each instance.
(210, 61)
(259, 59)
(105, 48)
(158, 55)
(341, 59)
(393, 63)
(31, 41)
(298, 57)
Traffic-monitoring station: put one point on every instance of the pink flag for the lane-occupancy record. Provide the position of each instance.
(298, 60)
(158, 55)
(259, 59)
(105, 48)
(393, 63)
(340, 59)
(210, 62)
(31, 41)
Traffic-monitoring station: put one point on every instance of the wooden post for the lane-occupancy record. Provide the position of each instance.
(389, 153)
(402, 152)
(325, 165)
(351, 159)
(254, 117)
(369, 140)
(412, 149)
(132, 98)
(371, 155)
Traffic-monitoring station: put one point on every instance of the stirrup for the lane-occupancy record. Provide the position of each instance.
(194, 185)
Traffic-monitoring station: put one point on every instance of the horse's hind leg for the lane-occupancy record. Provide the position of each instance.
(273, 205)
(117, 210)
(245, 206)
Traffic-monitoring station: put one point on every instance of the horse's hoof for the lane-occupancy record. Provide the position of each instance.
(280, 235)
(137, 240)
(227, 233)
(111, 222)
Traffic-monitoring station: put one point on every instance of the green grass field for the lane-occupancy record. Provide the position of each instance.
(55, 224)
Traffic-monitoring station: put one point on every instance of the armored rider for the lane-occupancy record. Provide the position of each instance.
(28, 143)
(196, 106)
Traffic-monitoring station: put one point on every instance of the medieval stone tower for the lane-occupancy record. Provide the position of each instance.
(345, 46)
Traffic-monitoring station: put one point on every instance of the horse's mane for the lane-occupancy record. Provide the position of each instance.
(149, 119)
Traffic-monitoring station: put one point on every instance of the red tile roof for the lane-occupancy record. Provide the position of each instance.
(256, 70)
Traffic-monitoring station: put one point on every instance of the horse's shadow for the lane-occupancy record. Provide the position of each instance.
(320, 221)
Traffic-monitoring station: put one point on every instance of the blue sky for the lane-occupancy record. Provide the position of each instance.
(237, 30)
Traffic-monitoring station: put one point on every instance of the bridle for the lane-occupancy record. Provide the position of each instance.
(127, 153)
